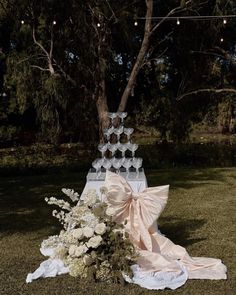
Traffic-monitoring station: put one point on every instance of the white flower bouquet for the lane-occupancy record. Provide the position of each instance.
(90, 243)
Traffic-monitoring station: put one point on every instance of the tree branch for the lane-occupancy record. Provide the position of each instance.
(40, 68)
(140, 57)
(48, 55)
(207, 90)
(39, 44)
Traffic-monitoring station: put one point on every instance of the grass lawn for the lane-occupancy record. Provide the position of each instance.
(200, 216)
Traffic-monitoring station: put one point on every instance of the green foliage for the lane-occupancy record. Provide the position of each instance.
(62, 101)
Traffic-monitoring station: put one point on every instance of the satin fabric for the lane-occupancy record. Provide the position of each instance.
(140, 211)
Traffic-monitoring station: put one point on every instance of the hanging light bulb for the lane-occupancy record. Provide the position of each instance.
(135, 23)
(22, 22)
(178, 22)
(224, 21)
(98, 25)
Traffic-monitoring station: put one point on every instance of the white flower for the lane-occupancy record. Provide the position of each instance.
(94, 242)
(100, 228)
(77, 233)
(87, 260)
(77, 251)
(89, 219)
(71, 194)
(110, 211)
(80, 250)
(88, 232)
(90, 198)
(72, 250)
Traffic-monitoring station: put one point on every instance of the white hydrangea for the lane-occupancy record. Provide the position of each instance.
(94, 242)
(100, 228)
(88, 232)
(68, 238)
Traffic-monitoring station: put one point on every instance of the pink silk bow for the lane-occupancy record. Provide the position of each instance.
(141, 210)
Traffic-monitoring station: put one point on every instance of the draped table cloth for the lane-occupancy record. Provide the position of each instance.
(137, 184)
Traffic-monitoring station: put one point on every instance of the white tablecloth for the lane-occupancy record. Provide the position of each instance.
(137, 184)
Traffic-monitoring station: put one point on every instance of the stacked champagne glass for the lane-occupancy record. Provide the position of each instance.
(118, 151)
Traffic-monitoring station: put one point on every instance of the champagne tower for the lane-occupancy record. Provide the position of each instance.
(118, 152)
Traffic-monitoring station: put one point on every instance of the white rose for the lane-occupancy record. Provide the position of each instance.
(90, 198)
(89, 220)
(80, 250)
(100, 228)
(110, 211)
(94, 242)
(77, 233)
(72, 250)
(88, 232)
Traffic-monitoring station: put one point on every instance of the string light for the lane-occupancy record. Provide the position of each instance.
(22, 22)
(98, 25)
(224, 21)
(221, 40)
(192, 17)
(135, 23)
(54, 22)
(178, 22)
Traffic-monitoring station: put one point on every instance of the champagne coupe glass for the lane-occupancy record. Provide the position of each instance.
(128, 132)
(118, 132)
(122, 115)
(107, 133)
(97, 164)
(112, 160)
(137, 163)
(112, 148)
(123, 148)
(127, 163)
(117, 164)
(102, 148)
(112, 116)
(133, 147)
(106, 164)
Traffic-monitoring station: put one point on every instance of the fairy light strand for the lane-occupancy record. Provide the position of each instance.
(192, 17)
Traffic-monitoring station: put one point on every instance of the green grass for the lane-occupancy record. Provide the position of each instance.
(200, 215)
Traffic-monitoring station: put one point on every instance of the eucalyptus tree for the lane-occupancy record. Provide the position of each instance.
(67, 60)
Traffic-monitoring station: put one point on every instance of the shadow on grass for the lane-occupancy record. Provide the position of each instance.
(179, 230)
(22, 205)
(189, 178)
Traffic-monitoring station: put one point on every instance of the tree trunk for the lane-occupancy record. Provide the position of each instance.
(140, 58)
(102, 109)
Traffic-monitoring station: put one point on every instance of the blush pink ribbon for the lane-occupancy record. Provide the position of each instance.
(141, 211)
